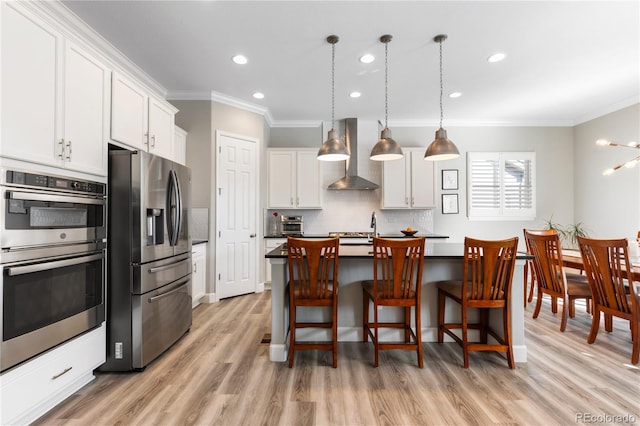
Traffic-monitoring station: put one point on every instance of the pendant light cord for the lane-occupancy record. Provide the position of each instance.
(441, 86)
(333, 84)
(386, 83)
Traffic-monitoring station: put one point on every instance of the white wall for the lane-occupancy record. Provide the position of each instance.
(609, 206)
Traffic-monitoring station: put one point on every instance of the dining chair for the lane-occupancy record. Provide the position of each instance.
(487, 276)
(397, 283)
(528, 266)
(551, 277)
(613, 289)
(313, 282)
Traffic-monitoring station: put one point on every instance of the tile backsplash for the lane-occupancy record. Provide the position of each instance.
(200, 223)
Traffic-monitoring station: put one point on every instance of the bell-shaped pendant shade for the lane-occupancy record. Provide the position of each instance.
(333, 149)
(386, 149)
(441, 148)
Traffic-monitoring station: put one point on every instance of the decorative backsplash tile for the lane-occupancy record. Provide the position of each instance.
(200, 223)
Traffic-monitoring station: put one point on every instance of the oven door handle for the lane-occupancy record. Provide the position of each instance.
(37, 196)
(39, 267)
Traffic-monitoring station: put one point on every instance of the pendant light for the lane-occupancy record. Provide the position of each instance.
(386, 149)
(441, 148)
(333, 149)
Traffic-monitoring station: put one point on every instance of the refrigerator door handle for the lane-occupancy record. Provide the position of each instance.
(179, 209)
(172, 209)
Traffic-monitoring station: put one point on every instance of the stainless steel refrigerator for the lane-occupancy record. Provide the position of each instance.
(148, 257)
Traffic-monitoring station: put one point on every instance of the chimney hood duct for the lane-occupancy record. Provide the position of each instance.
(351, 179)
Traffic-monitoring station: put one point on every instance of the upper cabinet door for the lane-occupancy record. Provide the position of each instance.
(161, 128)
(129, 113)
(31, 92)
(308, 180)
(422, 181)
(281, 178)
(395, 191)
(86, 112)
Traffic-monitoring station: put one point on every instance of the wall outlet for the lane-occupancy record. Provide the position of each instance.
(118, 350)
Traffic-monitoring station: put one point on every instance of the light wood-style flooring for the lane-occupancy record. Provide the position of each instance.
(220, 373)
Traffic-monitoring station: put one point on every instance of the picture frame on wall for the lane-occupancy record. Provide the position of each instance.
(450, 204)
(450, 179)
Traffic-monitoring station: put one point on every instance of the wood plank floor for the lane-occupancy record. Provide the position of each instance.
(220, 374)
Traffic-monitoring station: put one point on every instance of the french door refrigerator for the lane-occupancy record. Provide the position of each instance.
(149, 258)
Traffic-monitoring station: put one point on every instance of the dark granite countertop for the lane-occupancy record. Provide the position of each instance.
(194, 242)
(398, 235)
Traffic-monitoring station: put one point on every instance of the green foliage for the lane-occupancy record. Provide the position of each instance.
(568, 234)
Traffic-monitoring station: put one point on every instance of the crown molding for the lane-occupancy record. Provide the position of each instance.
(75, 29)
(297, 123)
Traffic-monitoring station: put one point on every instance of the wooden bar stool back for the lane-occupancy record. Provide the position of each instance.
(613, 289)
(313, 282)
(487, 277)
(397, 282)
(551, 277)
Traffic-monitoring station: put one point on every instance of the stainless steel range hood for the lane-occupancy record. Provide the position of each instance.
(351, 180)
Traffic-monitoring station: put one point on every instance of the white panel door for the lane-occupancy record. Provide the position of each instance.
(236, 262)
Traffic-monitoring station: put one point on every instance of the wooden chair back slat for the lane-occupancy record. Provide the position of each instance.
(313, 267)
(547, 261)
(604, 262)
(397, 271)
(488, 268)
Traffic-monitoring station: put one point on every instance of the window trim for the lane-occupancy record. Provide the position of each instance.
(500, 213)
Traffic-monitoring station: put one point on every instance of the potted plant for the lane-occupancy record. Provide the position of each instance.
(568, 234)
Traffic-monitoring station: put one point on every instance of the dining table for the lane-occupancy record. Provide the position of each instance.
(573, 259)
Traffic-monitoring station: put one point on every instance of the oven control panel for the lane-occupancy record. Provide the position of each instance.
(54, 182)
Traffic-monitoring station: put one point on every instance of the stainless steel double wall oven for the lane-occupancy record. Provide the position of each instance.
(52, 255)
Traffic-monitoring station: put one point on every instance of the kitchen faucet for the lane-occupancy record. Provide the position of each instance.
(374, 225)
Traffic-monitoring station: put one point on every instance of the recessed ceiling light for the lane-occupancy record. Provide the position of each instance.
(496, 57)
(258, 95)
(367, 58)
(240, 59)
(455, 94)
(355, 94)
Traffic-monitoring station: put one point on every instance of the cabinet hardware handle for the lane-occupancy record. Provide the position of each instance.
(291, 200)
(70, 151)
(65, 371)
(153, 140)
(61, 143)
(406, 200)
(146, 136)
(195, 268)
(413, 201)
(297, 200)
(252, 236)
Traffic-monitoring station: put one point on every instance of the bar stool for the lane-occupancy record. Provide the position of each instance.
(487, 276)
(313, 282)
(397, 282)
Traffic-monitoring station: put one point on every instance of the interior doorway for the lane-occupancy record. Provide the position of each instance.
(236, 215)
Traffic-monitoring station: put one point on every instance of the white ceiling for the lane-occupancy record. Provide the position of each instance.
(567, 61)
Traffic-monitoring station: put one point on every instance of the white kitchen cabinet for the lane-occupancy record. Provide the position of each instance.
(140, 120)
(180, 146)
(408, 183)
(270, 244)
(198, 273)
(55, 96)
(294, 179)
(33, 388)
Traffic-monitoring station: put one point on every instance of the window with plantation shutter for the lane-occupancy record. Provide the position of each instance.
(501, 185)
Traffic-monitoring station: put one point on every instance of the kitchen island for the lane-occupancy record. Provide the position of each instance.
(443, 260)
